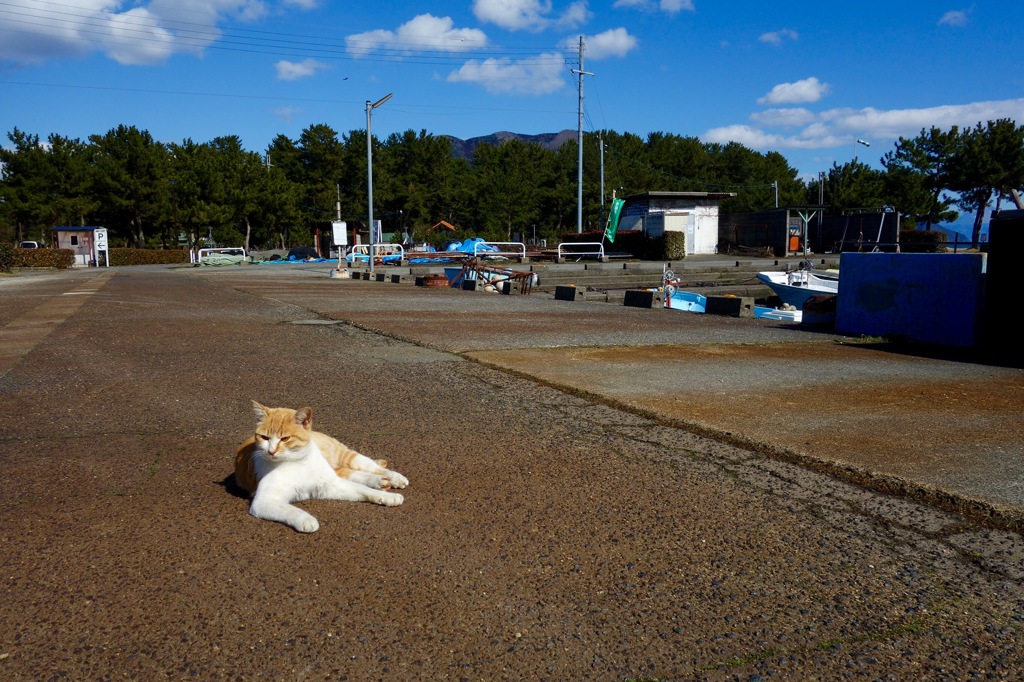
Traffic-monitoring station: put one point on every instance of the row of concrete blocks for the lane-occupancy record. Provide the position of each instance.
(424, 280)
(729, 306)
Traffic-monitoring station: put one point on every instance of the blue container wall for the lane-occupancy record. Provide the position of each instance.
(920, 297)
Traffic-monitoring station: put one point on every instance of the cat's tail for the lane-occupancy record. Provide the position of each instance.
(245, 466)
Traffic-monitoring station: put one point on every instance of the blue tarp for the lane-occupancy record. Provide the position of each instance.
(469, 245)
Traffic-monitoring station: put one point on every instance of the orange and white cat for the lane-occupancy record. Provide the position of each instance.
(287, 461)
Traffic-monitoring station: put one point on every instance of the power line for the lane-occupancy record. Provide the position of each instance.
(134, 30)
(407, 107)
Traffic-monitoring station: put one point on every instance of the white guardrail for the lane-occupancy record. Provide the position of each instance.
(563, 253)
(359, 251)
(230, 250)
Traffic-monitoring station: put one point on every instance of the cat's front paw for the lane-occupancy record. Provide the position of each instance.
(388, 499)
(306, 524)
(397, 480)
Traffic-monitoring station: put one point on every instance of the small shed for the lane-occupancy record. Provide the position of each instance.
(796, 230)
(89, 243)
(693, 213)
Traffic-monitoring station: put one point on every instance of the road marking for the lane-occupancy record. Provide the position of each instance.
(19, 336)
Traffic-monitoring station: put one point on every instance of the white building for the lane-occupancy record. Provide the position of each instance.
(89, 244)
(693, 213)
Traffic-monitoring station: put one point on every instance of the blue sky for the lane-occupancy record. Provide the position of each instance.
(806, 79)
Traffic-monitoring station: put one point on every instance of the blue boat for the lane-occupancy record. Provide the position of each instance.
(686, 301)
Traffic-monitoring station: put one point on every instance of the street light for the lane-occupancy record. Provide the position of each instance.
(859, 141)
(369, 170)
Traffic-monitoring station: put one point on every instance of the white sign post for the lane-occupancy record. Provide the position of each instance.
(339, 237)
(100, 244)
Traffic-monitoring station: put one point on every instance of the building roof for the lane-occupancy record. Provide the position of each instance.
(683, 195)
(76, 228)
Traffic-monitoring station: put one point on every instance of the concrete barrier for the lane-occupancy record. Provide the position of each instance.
(730, 306)
(565, 292)
(637, 298)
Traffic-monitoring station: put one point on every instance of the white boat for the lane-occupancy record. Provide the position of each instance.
(796, 286)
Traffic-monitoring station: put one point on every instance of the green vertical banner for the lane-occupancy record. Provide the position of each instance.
(613, 219)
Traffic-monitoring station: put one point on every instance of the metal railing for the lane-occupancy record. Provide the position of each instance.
(520, 247)
(599, 252)
(359, 251)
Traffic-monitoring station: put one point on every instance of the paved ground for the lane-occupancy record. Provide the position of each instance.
(591, 496)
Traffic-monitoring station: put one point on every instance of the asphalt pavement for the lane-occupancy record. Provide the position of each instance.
(597, 492)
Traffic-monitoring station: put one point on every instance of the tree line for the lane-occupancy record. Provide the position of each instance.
(152, 194)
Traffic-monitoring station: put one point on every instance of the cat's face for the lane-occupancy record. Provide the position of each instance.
(282, 433)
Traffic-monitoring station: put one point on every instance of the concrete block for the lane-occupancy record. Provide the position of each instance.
(565, 292)
(470, 285)
(730, 306)
(379, 276)
(509, 288)
(641, 298)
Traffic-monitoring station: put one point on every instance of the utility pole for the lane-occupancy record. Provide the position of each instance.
(579, 144)
(600, 141)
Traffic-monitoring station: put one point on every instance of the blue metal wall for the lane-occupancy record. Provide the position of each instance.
(920, 297)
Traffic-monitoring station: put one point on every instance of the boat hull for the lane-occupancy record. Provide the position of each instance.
(795, 288)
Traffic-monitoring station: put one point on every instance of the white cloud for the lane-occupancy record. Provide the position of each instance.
(287, 114)
(541, 75)
(807, 90)
(668, 6)
(840, 127)
(776, 37)
(954, 17)
(291, 71)
(422, 33)
(529, 15)
(616, 42)
(784, 118)
(146, 33)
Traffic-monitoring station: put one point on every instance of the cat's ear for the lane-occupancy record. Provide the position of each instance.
(304, 418)
(261, 412)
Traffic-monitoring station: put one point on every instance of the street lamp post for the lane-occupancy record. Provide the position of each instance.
(369, 171)
(859, 141)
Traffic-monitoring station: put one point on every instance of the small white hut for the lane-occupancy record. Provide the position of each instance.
(694, 213)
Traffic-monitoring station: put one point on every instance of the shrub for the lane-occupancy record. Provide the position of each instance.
(148, 256)
(43, 258)
(675, 246)
(923, 241)
(6, 258)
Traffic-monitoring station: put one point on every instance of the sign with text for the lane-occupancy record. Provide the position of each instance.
(340, 233)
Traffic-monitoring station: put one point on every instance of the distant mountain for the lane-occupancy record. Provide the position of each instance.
(958, 232)
(549, 141)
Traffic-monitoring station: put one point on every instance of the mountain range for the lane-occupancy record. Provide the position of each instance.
(550, 141)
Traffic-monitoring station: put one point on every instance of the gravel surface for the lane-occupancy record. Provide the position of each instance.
(546, 535)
